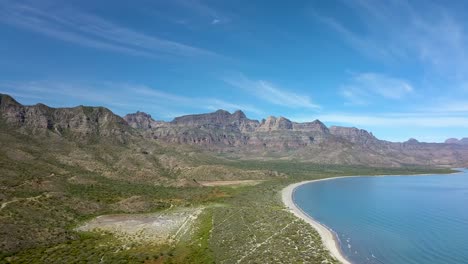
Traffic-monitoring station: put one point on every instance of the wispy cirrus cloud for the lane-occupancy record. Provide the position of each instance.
(120, 97)
(212, 15)
(203, 103)
(391, 120)
(364, 44)
(395, 31)
(66, 90)
(271, 93)
(452, 106)
(364, 87)
(84, 29)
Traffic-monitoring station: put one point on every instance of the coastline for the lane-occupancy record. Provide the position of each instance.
(329, 239)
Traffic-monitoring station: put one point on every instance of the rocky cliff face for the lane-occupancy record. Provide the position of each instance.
(222, 129)
(354, 135)
(275, 124)
(220, 119)
(313, 141)
(212, 130)
(141, 120)
(77, 122)
(234, 134)
(315, 126)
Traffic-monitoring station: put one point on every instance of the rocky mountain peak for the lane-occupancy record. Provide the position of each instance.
(41, 105)
(463, 141)
(411, 141)
(220, 117)
(222, 112)
(314, 126)
(354, 135)
(273, 124)
(7, 101)
(452, 141)
(143, 114)
(239, 115)
(319, 124)
(140, 120)
(77, 122)
(233, 133)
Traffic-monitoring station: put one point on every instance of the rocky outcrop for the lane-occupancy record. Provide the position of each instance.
(279, 137)
(235, 135)
(463, 141)
(142, 120)
(411, 141)
(451, 141)
(213, 130)
(275, 124)
(222, 129)
(220, 119)
(354, 135)
(315, 126)
(77, 122)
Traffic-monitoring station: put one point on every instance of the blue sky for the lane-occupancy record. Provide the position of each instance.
(398, 69)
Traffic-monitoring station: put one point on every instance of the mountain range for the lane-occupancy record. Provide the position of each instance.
(229, 135)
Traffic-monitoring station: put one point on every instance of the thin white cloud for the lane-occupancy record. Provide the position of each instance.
(204, 10)
(143, 90)
(364, 87)
(205, 103)
(215, 104)
(269, 92)
(66, 90)
(120, 96)
(448, 106)
(396, 31)
(92, 31)
(396, 121)
(429, 42)
(359, 42)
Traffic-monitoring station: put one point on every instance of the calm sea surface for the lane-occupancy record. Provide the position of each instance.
(394, 220)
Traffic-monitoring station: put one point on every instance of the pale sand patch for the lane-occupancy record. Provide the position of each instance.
(328, 238)
(166, 226)
(230, 183)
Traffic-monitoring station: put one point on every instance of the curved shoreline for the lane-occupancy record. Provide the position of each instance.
(329, 239)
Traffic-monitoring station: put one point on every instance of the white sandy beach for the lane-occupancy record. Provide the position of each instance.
(328, 238)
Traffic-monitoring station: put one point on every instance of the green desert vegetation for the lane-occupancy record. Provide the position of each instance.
(50, 186)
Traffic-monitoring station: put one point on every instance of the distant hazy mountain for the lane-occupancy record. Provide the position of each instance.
(463, 141)
(277, 137)
(233, 135)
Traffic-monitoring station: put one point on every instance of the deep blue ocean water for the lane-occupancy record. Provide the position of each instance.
(395, 219)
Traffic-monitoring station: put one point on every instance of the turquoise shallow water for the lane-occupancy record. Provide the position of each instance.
(393, 220)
